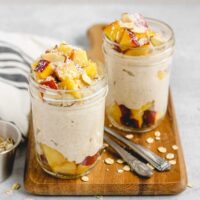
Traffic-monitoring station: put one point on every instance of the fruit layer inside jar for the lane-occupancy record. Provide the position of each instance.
(67, 68)
(143, 117)
(56, 162)
(132, 35)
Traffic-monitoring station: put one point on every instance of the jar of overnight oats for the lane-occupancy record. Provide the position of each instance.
(138, 54)
(68, 106)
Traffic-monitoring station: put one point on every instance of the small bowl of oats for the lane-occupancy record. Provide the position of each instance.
(10, 138)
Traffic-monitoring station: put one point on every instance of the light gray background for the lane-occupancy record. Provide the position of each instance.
(69, 20)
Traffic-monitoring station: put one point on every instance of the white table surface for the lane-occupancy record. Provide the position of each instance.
(68, 20)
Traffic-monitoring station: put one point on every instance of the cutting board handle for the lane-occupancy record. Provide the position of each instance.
(95, 37)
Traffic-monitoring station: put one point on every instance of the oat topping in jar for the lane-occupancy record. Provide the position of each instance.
(68, 101)
(138, 53)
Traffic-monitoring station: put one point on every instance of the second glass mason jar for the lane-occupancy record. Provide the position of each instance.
(139, 85)
(68, 131)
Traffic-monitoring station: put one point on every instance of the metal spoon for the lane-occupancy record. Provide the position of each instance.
(136, 165)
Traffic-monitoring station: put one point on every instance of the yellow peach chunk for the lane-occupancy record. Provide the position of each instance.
(53, 156)
(45, 73)
(147, 106)
(91, 69)
(65, 168)
(137, 114)
(70, 84)
(79, 57)
(113, 31)
(128, 39)
(82, 169)
(138, 51)
(115, 112)
(65, 49)
(53, 57)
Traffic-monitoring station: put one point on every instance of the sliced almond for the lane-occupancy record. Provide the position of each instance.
(170, 156)
(189, 185)
(174, 147)
(150, 140)
(85, 178)
(162, 149)
(172, 162)
(86, 79)
(129, 136)
(126, 168)
(109, 161)
(157, 133)
(120, 161)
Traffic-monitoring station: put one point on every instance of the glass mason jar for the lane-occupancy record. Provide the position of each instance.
(68, 131)
(139, 85)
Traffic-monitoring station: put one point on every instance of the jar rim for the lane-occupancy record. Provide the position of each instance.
(153, 20)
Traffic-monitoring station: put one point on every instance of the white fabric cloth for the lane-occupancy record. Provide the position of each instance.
(17, 50)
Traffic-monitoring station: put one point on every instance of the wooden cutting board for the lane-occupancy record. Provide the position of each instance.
(104, 179)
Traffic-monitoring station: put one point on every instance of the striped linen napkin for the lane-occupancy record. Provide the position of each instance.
(17, 50)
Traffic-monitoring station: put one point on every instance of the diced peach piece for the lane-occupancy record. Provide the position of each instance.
(50, 82)
(149, 117)
(65, 168)
(115, 112)
(47, 71)
(113, 31)
(79, 57)
(70, 84)
(82, 169)
(137, 115)
(147, 106)
(91, 69)
(138, 51)
(128, 39)
(89, 160)
(65, 49)
(54, 57)
(53, 156)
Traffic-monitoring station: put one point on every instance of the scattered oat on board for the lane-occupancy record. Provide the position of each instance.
(170, 156)
(189, 185)
(85, 178)
(126, 168)
(109, 161)
(120, 171)
(120, 161)
(174, 147)
(162, 149)
(99, 197)
(9, 192)
(150, 140)
(157, 138)
(157, 133)
(172, 162)
(129, 136)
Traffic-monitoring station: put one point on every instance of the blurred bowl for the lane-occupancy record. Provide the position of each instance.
(8, 130)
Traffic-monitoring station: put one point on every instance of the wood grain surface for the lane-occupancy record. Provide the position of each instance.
(104, 179)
